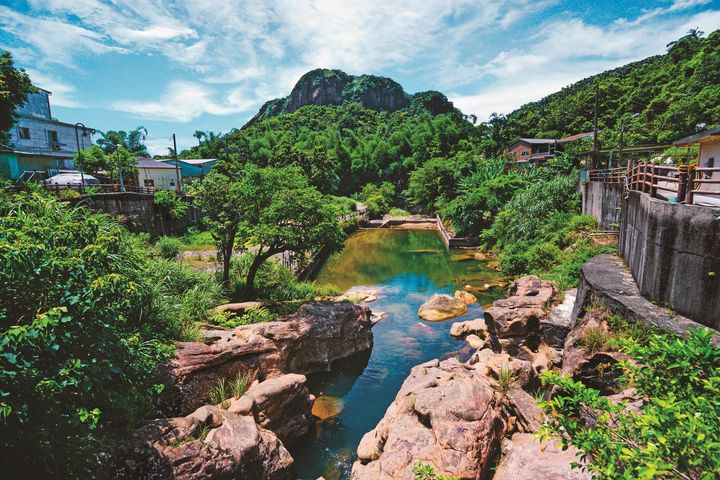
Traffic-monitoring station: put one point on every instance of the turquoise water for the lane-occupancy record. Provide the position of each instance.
(407, 267)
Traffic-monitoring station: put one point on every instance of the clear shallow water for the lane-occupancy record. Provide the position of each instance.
(407, 267)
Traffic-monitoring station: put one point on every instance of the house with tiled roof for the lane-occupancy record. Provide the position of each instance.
(538, 150)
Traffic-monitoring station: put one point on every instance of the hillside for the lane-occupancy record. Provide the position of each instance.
(324, 87)
(673, 93)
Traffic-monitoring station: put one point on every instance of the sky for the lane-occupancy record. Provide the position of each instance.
(176, 66)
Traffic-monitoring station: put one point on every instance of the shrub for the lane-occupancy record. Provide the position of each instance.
(676, 434)
(595, 339)
(275, 282)
(170, 204)
(77, 345)
(398, 212)
(168, 247)
(427, 472)
(68, 194)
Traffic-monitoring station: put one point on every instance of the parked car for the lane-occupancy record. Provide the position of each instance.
(63, 179)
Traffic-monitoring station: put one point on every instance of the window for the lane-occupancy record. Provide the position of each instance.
(52, 137)
(525, 152)
(24, 133)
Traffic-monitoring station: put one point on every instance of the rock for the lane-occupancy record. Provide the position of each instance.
(377, 316)
(489, 364)
(475, 342)
(445, 414)
(304, 342)
(521, 405)
(594, 369)
(476, 327)
(237, 307)
(326, 407)
(441, 307)
(556, 325)
(209, 444)
(282, 404)
(524, 457)
(541, 360)
(531, 286)
(467, 298)
(511, 322)
(361, 294)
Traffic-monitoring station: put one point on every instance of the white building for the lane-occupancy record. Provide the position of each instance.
(152, 173)
(42, 143)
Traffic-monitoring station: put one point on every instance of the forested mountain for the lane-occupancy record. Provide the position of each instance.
(674, 93)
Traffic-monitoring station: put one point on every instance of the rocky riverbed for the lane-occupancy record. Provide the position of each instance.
(475, 419)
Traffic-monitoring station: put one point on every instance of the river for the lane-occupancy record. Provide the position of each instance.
(406, 266)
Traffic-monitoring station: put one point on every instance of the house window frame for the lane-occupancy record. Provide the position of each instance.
(53, 141)
(23, 133)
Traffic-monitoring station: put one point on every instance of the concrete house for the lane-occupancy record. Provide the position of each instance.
(708, 143)
(192, 168)
(39, 145)
(538, 150)
(154, 174)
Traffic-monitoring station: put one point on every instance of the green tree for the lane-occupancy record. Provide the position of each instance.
(15, 86)
(133, 141)
(220, 200)
(280, 213)
(94, 160)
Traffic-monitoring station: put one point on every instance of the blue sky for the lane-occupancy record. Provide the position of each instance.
(185, 65)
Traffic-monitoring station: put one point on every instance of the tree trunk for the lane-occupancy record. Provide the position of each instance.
(252, 271)
(226, 254)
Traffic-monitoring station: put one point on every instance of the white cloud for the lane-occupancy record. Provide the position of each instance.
(63, 94)
(184, 101)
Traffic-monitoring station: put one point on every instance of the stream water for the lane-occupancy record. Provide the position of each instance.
(406, 266)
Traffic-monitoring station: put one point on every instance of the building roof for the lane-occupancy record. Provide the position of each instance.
(577, 136)
(150, 163)
(537, 141)
(698, 137)
(198, 161)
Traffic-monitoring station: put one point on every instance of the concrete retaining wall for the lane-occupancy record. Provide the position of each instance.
(603, 201)
(673, 252)
(138, 213)
(451, 241)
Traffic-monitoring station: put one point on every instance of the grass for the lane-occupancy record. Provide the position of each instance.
(595, 339)
(168, 247)
(219, 394)
(506, 379)
(224, 391)
(241, 383)
(195, 239)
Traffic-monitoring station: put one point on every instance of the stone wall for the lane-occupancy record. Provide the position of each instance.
(603, 201)
(673, 252)
(139, 214)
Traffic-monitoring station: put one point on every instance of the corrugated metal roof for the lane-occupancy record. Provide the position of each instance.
(197, 161)
(150, 163)
(697, 136)
(541, 141)
(577, 136)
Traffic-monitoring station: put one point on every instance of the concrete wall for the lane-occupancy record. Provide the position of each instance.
(603, 201)
(139, 214)
(673, 252)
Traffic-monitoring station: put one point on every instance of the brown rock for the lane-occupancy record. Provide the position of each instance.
(524, 457)
(476, 327)
(304, 342)
(521, 405)
(441, 307)
(466, 297)
(224, 445)
(510, 322)
(445, 414)
(489, 364)
(282, 404)
(475, 342)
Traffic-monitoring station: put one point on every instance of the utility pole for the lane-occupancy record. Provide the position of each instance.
(596, 141)
(178, 187)
(120, 171)
(77, 141)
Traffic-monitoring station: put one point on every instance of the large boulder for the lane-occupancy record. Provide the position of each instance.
(471, 327)
(556, 325)
(522, 312)
(441, 307)
(281, 404)
(307, 341)
(466, 297)
(211, 443)
(446, 414)
(525, 457)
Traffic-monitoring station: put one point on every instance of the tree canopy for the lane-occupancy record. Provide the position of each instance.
(15, 85)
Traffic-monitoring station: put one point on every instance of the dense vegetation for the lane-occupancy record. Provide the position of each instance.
(676, 434)
(674, 93)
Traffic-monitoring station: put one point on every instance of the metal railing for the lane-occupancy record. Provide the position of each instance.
(684, 183)
(99, 188)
